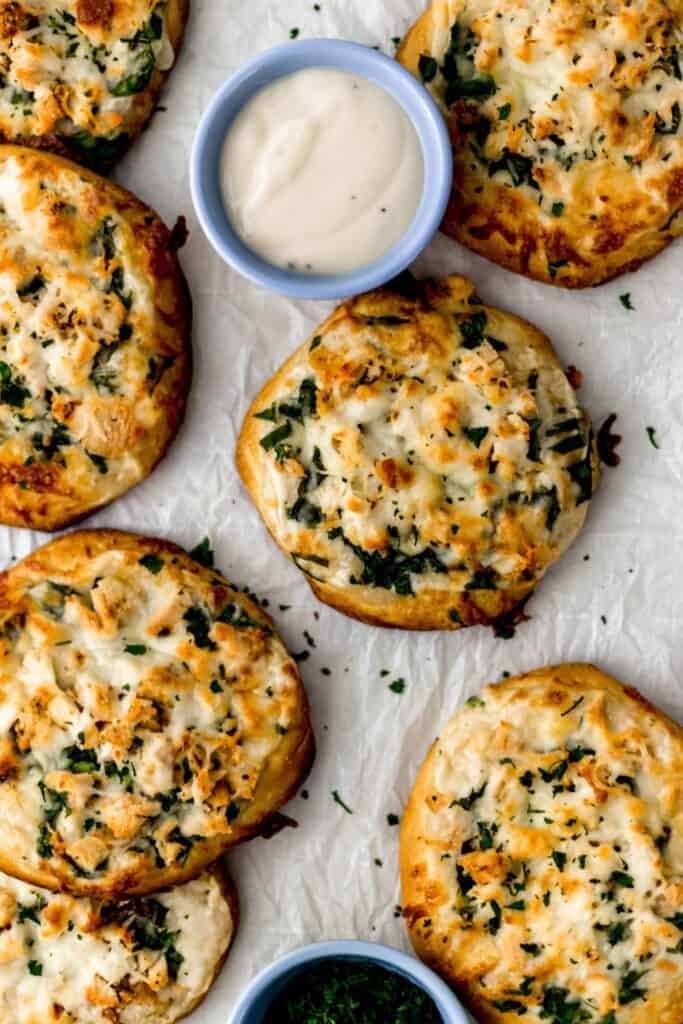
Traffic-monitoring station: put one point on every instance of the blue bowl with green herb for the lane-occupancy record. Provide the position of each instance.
(390, 988)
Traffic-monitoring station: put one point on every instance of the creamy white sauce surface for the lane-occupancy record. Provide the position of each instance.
(321, 172)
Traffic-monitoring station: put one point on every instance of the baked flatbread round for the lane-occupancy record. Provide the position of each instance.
(95, 357)
(74, 960)
(422, 458)
(542, 853)
(566, 124)
(83, 77)
(151, 716)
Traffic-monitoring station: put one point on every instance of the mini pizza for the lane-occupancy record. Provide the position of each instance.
(151, 716)
(422, 458)
(82, 77)
(95, 356)
(75, 960)
(565, 119)
(542, 853)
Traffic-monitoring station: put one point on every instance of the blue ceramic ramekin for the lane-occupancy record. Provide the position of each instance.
(284, 60)
(264, 989)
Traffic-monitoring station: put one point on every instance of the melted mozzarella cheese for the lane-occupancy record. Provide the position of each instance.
(543, 852)
(80, 79)
(141, 705)
(430, 436)
(567, 121)
(567, 84)
(140, 960)
(85, 353)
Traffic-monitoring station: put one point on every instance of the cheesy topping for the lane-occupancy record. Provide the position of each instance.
(143, 699)
(71, 960)
(543, 853)
(432, 443)
(573, 107)
(74, 68)
(94, 362)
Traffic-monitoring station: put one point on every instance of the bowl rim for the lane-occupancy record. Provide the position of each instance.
(405, 964)
(262, 70)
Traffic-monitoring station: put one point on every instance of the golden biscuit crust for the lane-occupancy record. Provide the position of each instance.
(153, 717)
(149, 960)
(542, 853)
(83, 77)
(566, 127)
(422, 458)
(95, 351)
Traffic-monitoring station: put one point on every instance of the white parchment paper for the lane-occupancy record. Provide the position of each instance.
(615, 599)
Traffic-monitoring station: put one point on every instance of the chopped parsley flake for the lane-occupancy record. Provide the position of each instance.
(338, 800)
(203, 553)
(468, 802)
(152, 563)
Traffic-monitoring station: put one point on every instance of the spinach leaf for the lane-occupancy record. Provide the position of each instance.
(509, 1006)
(98, 153)
(12, 388)
(149, 931)
(275, 437)
(146, 62)
(428, 67)
(54, 802)
(494, 922)
(116, 286)
(199, 627)
(80, 760)
(44, 842)
(628, 987)
(534, 442)
(581, 474)
(487, 832)
(152, 563)
(560, 1008)
(518, 167)
(102, 374)
(57, 438)
(233, 615)
(615, 932)
(478, 87)
(31, 289)
(391, 570)
(305, 512)
(102, 243)
(304, 404)
(139, 78)
(468, 802)
(483, 579)
(472, 330)
(26, 912)
(475, 434)
(463, 81)
(203, 553)
(569, 444)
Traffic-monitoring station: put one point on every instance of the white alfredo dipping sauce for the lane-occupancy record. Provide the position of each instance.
(321, 172)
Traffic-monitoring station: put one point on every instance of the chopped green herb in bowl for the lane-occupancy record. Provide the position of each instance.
(348, 982)
(352, 992)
